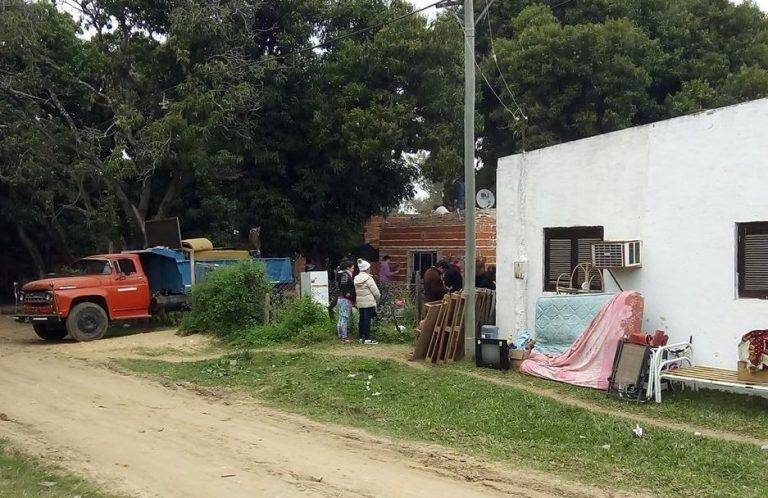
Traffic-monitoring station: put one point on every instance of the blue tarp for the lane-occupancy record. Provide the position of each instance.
(168, 270)
(279, 270)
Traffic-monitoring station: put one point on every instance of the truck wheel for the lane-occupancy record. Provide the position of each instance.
(50, 331)
(87, 322)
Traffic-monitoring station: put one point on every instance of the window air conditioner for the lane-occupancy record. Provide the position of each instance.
(617, 254)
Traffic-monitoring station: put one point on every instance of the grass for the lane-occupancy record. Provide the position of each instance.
(23, 476)
(736, 413)
(442, 406)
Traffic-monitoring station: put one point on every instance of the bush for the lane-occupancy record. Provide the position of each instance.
(301, 321)
(388, 332)
(229, 301)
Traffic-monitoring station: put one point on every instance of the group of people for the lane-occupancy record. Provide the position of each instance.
(445, 278)
(357, 289)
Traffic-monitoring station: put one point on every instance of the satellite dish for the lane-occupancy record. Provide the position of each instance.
(485, 199)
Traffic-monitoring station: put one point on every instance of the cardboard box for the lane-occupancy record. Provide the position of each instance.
(755, 376)
(516, 357)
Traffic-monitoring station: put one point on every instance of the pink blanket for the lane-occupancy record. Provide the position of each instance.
(589, 361)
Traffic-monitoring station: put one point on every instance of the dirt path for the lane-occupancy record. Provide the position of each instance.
(138, 437)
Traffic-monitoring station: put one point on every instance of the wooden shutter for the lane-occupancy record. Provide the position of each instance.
(559, 260)
(753, 260)
(564, 249)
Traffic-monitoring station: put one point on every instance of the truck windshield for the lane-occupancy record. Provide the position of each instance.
(91, 267)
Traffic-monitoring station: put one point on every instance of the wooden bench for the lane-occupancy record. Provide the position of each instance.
(666, 366)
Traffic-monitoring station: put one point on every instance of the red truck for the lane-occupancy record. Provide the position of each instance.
(99, 289)
(137, 284)
(109, 287)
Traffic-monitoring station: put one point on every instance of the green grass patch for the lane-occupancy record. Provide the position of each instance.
(23, 476)
(716, 410)
(442, 406)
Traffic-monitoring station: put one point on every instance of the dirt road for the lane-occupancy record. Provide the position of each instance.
(138, 437)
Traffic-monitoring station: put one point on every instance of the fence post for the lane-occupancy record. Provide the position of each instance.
(267, 308)
(417, 291)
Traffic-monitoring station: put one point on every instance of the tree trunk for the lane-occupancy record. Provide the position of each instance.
(58, 230)
(130, 210)
(177, 181)
(34, 252)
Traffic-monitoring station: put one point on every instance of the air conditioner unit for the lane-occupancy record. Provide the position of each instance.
(617, 254)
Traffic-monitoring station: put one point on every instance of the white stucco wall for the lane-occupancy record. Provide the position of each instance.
(680, 186)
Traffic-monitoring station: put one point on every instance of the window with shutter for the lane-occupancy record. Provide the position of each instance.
(564, 249)
(753, 259)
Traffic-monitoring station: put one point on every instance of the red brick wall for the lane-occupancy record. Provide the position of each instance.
(444, 233)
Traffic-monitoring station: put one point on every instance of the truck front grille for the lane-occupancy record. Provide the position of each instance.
(37, 298)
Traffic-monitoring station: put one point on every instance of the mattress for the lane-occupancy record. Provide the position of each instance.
(560, 319)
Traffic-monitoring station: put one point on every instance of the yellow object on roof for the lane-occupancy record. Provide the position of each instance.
(197, 244)
(221, 255)
(204, 251)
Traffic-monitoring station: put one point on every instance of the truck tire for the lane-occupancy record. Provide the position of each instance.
(50, 331)
(87, 322)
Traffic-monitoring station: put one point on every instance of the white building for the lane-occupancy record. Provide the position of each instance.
(691, 188)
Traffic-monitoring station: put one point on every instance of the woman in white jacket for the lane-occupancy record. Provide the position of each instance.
(367, 297)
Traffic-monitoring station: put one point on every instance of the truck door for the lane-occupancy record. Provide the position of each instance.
(132, 289)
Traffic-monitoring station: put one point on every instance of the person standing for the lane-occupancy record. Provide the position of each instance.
(346, 298)
(452, 277)
(434, 290)
(487, 279)
(387, 270)
(367, 296)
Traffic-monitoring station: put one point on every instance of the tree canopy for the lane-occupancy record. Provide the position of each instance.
(222, 112)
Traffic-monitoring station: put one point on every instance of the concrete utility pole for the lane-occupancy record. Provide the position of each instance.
(469, 177)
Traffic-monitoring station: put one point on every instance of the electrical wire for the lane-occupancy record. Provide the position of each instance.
(561, 4)
(496, 61)
(485, 78)
(355, 32)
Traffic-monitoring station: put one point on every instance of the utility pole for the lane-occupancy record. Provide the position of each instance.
(469, 177)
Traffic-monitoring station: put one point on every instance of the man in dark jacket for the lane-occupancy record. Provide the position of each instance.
(452, 277)
(433, 284)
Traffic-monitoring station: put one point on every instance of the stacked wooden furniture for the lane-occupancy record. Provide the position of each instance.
(448, 331)
(485, 309)
(441, 337)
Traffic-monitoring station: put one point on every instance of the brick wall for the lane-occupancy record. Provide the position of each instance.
(400, 234)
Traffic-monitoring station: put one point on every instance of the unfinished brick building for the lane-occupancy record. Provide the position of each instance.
(416, 242)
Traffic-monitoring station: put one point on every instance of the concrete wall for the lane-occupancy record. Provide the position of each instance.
(680, 186)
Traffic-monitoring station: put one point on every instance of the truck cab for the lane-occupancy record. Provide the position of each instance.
(98, 289)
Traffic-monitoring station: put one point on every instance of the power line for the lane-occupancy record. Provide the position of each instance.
(560, 4)
(496, 61)
(356, 32)
(488, 83)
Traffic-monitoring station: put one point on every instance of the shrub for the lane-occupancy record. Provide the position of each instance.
(229, 301)
(300, 320)
(388, 332)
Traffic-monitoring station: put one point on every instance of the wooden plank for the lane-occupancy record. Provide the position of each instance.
(428, 329)
(456, 345)
(445, 332)
(437, 331)
(705, 373)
